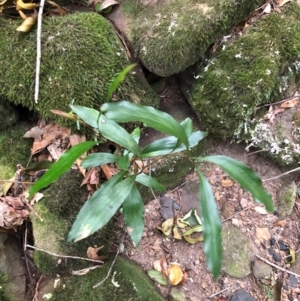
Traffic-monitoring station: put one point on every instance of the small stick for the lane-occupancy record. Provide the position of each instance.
(112, 264)
(277, 267)
(38, 51)
(220, 292)
(283, 174)
(64, 256)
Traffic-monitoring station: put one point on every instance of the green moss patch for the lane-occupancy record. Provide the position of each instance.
(81, 55)
(172, 35)
(255, 69)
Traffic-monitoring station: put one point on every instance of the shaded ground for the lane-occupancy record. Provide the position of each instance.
(236, 207)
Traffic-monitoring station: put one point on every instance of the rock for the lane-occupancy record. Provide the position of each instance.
(81, 56)
(190, 197)
(260, 269)
(241, 295)
(169, 36)
(12, 270)
(243, 74)
(177, 295)
(293, 281)
(286, 199)
(12, 139)
(8, 114)
(237, 252)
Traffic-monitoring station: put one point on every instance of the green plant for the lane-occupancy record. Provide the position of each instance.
(121, 190)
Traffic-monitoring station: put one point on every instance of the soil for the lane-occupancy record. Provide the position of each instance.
(236, 207)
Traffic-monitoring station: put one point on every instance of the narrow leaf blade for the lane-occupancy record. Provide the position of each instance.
(100, 207)
(149, 182)
(211, 227)
(125, 111)
(167, 145)
(62, 165)
(98, 159)
(245, 176)
(114, 132)
(114, 85)
(88, 115)
(133, 209)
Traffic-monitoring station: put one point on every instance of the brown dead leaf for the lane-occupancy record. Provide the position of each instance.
(282, 2)
(92, 253)
(290, 103)
(164, 266)
(157, 265)
(76, 139)
(262, 234)
(107, 171)
(272, 113)
(267, 9)
(13, 212)
(175, 273)
(35, 132)
(280, 223)
(226, 183)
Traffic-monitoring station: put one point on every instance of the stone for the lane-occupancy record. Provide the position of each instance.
(237, 252)
(286, 199)
(241, 295)
(82, 54)
(190, 197)
(169, 36)
(12, 269)
(260, 269)
(177, 295)
(243, 74)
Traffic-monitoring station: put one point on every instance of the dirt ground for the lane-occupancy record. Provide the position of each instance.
(236, 207)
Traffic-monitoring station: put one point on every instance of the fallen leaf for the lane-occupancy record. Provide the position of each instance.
(226, 183)
(262, 234)
(280, 223)
(176, 233)
(158, 277)
(292, 257)
(157, 265)
(175, 273)
(164, 266)
(290, 103)
(267, 9)
(166, 226)
(92, 253)
(260, 210)
(282, 2)
(108, 3)
(107, 171)
(192, 239)
(35, 132)
(272, 113)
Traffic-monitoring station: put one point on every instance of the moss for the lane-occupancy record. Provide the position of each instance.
(81, 55)
(255, 69)
(173, 35)
(61, 203)
(134, 285)
(4, 294)
(19, 150)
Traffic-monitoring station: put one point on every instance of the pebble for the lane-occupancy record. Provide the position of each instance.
(241, 295)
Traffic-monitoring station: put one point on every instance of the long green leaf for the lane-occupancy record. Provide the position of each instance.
(149, 182)
(62, 165)
(88, 115)
(245, 176)
(114, 85)
(98, 159)
(167, 145)
(126, 111)
(133, 209)
(114, 132)
(100, 208)
(211, 227)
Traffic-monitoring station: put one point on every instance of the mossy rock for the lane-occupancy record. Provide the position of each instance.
(257, 68)
(169, 36)
(131, 283)
(8, 115)
(81, 55)
(13, 150)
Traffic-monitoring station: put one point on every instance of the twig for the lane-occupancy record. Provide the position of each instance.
(64, 256)
(230, 217)
(277, 267)
(36, 294)
(38, 51)
(112, 264)
(220, 292)
(281, 175)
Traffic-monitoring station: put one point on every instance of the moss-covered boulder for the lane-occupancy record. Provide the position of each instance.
(8, 114)
(81, 55)
(169, 36)
(13, 150)
(255, 69)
